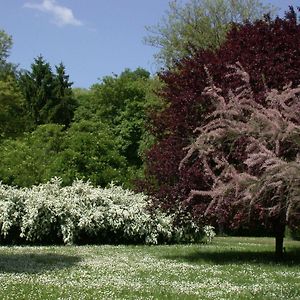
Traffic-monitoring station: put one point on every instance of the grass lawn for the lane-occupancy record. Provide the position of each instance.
(230, 268)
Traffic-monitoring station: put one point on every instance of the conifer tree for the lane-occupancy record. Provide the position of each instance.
(48, 95)
(63, 103)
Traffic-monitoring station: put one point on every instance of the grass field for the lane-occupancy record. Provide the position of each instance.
(230, 268)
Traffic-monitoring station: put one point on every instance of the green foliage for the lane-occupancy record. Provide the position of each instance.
(27, 160)
(199, 24)
(89, 152)
(81, 213)
(7, 69)
(104, 141)
(122, 103)
(13, 119)
(12, 109)
(5, 46)
(48, 96)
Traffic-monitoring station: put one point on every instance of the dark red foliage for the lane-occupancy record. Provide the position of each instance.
(269, 50)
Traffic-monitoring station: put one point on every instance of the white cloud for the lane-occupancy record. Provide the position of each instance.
(61, 15)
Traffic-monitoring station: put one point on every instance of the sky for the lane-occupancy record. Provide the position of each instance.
(93, 38)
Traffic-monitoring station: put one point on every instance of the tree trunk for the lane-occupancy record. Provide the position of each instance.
(279, 236)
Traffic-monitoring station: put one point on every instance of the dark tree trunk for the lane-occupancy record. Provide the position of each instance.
(279, 236)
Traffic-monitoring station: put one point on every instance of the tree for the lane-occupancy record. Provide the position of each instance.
(89, 152)
(12, 109)
(6, 69)
(12, 105)
(37, 89)
(5, 46)
(271, 61)
(121, 102)
(103, 143)
(264, 177)
(61, 110)
(27, 160)
(48, 96)
(199, 24)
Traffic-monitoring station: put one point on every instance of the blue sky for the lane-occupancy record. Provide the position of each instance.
(93, 38)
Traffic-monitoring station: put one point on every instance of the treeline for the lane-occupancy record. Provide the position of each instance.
(102, 134)
(49, 129)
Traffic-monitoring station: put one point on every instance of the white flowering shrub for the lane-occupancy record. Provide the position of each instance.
(11, 209)
(81, 213)
(209, 233)
(186, 229)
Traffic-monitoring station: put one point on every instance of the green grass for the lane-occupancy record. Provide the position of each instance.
(230, 268)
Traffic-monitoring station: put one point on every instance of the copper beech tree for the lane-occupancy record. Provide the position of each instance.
(269, 51)
(263, 181)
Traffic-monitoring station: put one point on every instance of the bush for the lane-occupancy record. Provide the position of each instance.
(81, 213)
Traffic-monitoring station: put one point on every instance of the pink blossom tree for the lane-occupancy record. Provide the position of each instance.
(251, 154)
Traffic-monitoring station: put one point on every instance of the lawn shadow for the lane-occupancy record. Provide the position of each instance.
(34, 263)
(224, 257)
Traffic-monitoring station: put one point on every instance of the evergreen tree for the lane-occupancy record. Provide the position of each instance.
(63, 104)
(48, 96)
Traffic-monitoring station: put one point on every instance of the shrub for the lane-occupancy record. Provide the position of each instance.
(209, 233)
(81, 213)
(11, 212)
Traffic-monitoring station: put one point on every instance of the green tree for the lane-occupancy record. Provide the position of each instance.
(90, 152)
(37, 89)
(113, 92)
(7, 69)
(5, 46)
(199, 24)
(87, 150)
(12, 109)
(12, 105)
(123, 106)
(122, 103)
(105, 141)
(61, 108)
(27, 160)
(48, 96)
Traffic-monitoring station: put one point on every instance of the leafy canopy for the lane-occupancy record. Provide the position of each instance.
(5, 46)
(122, 103)
(12, 109)
(271, 61)
(199, 24)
